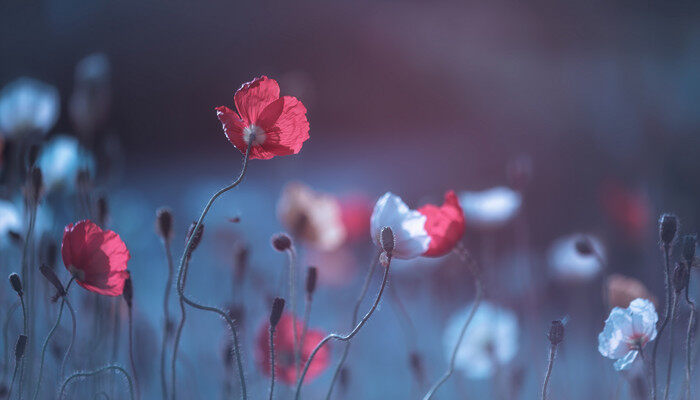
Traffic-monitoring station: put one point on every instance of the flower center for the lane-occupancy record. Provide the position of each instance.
(258, 132)
(77, 273)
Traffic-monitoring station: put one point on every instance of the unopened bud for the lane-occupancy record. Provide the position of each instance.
(556, 332)
(50, 276)
(20, 346)
(681, 277)
(387, 240)
(311, 277)
(276, 314)
(164, 223)
(689, 248)
(102, 211)
(128, 291)
(16, 284)
(196, 237)
(281, 242)
(668, 225)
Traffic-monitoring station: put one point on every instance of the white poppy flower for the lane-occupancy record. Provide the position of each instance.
(28, 106)
(410, 237)
(491, 339)
(490, 208)
(568, 262)
(61, 159)
(627, 331)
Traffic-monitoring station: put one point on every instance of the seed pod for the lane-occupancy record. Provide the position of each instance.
(556, 332)
(50, 276)
(281, 242)
(20, 346)
(164, 223)
(311, 277)
(276, 314)
(387, 240)
(668, 225)
(681, 277)
(196, 239)
(16, 283)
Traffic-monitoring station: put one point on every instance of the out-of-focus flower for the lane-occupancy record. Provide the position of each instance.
(622, 290)
(90, 102)
(10, 220)
(491, 208)
(96, 258)
(628, 209)
(335, 268)
(355, 212)
(445, 225)
(627, 331)
(491, 339)
(311, 216)
(278, 123)
(28, 106)
(410, 237)
(285, 369)
(60, 161)
(568, 262)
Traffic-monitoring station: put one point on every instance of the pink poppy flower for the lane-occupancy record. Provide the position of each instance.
(445, 225)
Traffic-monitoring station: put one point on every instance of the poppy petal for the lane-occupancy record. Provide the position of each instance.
(252, 97)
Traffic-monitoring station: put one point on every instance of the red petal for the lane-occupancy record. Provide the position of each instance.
(285, 124)
(445, 225)
(233, 127)
(252, 98)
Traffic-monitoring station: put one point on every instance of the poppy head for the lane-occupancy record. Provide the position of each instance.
(445, 225)
(96, 258)
(276, 125)
(285, 369)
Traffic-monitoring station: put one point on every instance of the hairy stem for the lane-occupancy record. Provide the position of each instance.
(166, 313)
(272, 361)
(72, 337)
(674, 303)
(5, 340)
(667, 313)
(689, 344)
(293, 305)
(550, 365)
(12, 382)
(25, 332)
(95, 372)
(131, 352)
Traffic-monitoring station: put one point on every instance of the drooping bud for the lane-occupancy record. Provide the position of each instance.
(556, 332)
(281, 242)
(128, 291)
(50, 276)
(276, 314)
(102, 211)
(196, 237)
(668, 225)
(20, 346)
(164, 223)
(16, 284)
(689, 248)
(311, 277)
(387, 240)
(681, 277)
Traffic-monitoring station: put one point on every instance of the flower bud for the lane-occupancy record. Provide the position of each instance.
(50, 276)
(102, 211)
(681, 277)
(311, 277)
(164, 223)
(689, 248)
(16, 284)
(556, 332)
(276, 314)
(196, 239)
(668, 225)
(20, 346)
(128, 291)
(281, 242)
(387, 240)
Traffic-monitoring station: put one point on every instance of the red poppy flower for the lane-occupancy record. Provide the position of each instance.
(279, 123)
(96, 258)
(285, 369)
(445, 225)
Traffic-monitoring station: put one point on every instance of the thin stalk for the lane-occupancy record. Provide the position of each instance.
(28, 276)
(95, 372)
(72, 337)
(12, 382)
(550, 365)
(667, 313)
(272, 361)
(293, 305)
(182, 268)
(674, 303)
(689, 344)
(178, 336)
(305, 322)
(131, 353)
(25, 332)
(166, 313)
(344, 338)
(5, 340)
(355, 312)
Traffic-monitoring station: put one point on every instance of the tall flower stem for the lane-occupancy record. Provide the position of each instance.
(344, 338)
(305, 321)
(667, 256)
(292, 254)
(272, 361)
(178, 336)
(25, 332)
(182, 268)
(5, 340)
(12, 382)
(78, 375)
(550, 365)
(674, 303)
(166, 313)
(131, 352)
(689, 343)
(72, 338)
(477, 302)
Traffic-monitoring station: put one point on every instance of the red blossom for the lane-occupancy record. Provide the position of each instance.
(96, 258)
(279, 123)
(445, 225)
(284, 350)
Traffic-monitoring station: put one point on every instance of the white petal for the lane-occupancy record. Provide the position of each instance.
(28, 106)
(408, 226)
(613, 341)
(490, 208)
(626, 362)
(644, 318)
(566, 262)
(61, 159)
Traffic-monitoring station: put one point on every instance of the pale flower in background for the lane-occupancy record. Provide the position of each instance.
(491, 208)
(568, 262)
(627, 331)
(620, 290)
(313, 217)
(491, 339)
(410, 237)
(28, 106)
(10, 220)
(91, 98)
(60, 160)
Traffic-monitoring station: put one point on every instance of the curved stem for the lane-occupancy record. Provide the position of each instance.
(272, 361)
(5, 333)
(293, 305)
(355, 312)
(674, 302)
(689, 344)
(667, 313)
(450, 369)
(347, 337)
(28, 276)
(12, 382)
(173, 364)
(72, 337)
(182, 267)
(131, 352)
(26, 332)
(552, 355)
(166, 313)
(95, 372)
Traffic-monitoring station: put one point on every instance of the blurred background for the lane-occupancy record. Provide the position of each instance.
(587, 110)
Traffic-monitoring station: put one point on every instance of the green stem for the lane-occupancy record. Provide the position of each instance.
(12, 382)
(25, 332)
(95, 372)
(178, 336)
(166, 313)
(5, 334)
(667, 313)
(344, 338)
(272, 361)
